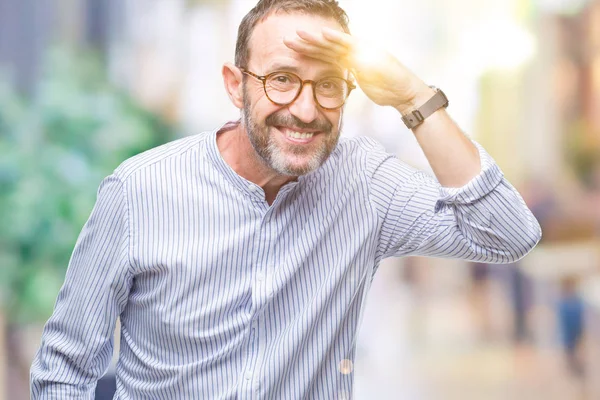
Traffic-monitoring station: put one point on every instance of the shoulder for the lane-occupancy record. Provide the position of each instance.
(160, 154)
(359, 154)
(360, 145)
(365, 159)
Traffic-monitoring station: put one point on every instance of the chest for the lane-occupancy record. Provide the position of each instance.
(221, 255)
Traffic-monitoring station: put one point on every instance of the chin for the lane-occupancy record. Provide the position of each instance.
(302, 165)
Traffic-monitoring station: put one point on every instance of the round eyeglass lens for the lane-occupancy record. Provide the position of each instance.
(283, 88)
(331, 92)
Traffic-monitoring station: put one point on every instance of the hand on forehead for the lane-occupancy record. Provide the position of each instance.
(326, 45)
(300, 37)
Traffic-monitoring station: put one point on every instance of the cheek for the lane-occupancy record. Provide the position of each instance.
(261, 109)
(257, 93)
(255, 98)
(335, 117)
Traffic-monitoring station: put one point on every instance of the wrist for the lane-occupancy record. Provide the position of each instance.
(415, 116)
(422, 94)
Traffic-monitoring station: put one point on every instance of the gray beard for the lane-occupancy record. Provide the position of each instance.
(273, 156)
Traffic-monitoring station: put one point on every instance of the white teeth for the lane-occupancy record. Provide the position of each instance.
(298, 135)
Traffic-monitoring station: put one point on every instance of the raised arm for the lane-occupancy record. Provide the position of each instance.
(387, 82)
(470, 211)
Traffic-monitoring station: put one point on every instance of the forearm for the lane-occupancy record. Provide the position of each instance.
(72, 357)
(44, 389)
(452, 156)
(77, 342)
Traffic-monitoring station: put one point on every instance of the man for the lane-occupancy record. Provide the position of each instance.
(238, 260)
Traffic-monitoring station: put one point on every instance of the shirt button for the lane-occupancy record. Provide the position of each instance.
(260, 276)
(248, 376)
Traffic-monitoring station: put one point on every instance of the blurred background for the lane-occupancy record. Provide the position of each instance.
(85, 84)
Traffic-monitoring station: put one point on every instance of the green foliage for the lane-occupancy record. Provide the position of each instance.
(54, 151)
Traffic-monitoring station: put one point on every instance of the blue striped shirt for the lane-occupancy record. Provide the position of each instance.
(222, 296)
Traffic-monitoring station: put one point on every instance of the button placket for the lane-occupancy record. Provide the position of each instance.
(262, 273)
(260, 295)
(252, 356)
(267, 270)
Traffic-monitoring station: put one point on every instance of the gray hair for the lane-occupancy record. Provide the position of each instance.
(323, 8)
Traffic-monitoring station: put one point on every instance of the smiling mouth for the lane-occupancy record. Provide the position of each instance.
(297, 136)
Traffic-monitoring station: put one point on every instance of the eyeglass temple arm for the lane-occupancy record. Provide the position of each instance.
(245, 71)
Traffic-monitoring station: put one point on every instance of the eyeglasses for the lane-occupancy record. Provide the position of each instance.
(283, 88)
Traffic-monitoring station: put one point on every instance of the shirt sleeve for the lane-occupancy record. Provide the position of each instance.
(486, 220)
(77, 342)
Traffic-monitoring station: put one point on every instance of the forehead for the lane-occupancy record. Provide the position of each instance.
(266, 43)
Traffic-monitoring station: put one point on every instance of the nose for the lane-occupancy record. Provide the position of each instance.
(304, 107)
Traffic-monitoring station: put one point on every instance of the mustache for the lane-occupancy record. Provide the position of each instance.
(288, 120)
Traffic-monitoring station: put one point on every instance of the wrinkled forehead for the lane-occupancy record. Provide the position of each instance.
(266, 43)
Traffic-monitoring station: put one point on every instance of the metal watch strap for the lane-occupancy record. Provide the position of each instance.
(416, 117)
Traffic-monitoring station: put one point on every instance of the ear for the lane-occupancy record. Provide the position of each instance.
(232, 78)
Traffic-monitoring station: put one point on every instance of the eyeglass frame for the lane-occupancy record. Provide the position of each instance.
(263, 79)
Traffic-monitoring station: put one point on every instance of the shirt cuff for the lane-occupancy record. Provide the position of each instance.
(487, 180)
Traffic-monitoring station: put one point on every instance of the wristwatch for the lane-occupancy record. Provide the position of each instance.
(416, 117)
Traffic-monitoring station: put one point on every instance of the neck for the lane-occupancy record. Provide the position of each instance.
(237, 151)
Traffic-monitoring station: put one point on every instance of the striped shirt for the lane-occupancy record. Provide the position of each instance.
(221, 295)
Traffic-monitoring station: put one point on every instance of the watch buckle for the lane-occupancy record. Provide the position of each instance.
(413, 118)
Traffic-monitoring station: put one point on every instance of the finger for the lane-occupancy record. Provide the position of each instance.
(340, 38)
(321, 55)
(311, 50)
(316, 50)
(320, 41)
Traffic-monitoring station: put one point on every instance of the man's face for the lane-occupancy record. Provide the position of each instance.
(272, 129)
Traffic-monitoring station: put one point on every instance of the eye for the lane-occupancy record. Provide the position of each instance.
(331, 85)
(281, 78)
(282, 81)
